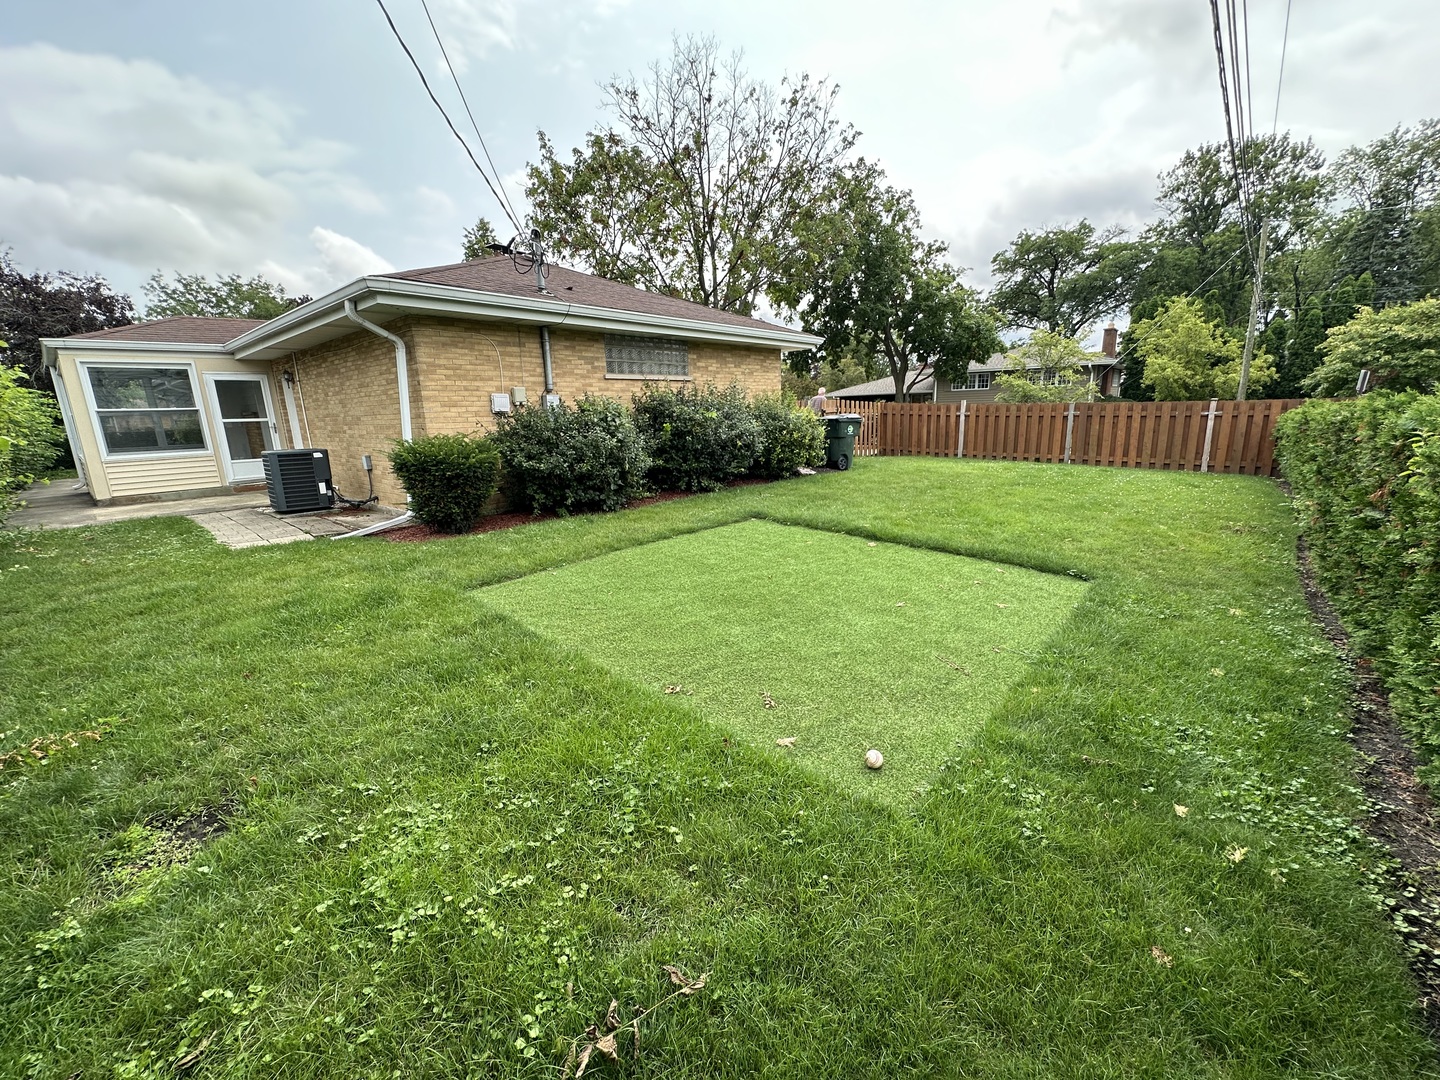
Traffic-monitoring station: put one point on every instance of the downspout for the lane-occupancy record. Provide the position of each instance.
(402, 367)
(545, 359)
(402, 373)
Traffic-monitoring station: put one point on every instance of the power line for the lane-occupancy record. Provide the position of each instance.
(505, 205)
(1280, 81)
(1130, 346)
(426, 83)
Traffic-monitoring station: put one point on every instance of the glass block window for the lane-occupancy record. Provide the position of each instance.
(146, 410)
(976, 380)
(655, 356)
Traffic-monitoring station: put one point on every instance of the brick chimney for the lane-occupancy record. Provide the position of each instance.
(1107, 346)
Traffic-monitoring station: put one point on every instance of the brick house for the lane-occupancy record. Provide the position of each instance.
(185, 406)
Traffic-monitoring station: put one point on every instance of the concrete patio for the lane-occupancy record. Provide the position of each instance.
(238, 521)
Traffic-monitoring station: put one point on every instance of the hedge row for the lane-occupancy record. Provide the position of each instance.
(1366, 475)
(598, 454)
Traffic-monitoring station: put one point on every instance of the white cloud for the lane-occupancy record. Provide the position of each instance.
(341, 259)
(126, 162)
(345, 258)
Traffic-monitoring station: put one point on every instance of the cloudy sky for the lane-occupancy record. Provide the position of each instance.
(292, 139)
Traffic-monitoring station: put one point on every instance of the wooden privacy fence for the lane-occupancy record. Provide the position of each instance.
(1195, 436)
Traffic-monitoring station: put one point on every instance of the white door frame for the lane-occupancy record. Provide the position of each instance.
(211, 377)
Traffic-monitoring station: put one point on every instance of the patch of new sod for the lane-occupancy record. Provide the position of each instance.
(778, 632)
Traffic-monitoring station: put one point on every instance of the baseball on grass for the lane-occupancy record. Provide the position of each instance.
(874, 759)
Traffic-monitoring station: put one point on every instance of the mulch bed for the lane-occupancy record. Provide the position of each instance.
(1402, 812)
(412, 534)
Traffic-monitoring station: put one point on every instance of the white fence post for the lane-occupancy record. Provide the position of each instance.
(960, 437)
(1069, 429)
(1210, 415)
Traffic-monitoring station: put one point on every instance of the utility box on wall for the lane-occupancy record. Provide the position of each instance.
(499, 404)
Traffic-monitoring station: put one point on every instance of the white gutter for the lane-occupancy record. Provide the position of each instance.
(402, 367)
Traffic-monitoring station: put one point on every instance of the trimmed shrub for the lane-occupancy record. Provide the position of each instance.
(700, 439)
(449, 478)
(790, 439)
(1366, 477)
(569, 460)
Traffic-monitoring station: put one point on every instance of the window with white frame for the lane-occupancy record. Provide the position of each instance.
(146, 410)
(657, 357)
(976, 380)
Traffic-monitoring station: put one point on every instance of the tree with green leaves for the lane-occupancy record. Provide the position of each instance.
(696, 188)
(874, 286)
(1047, 367)
(30, 434)
(1399, 345)
(1189, 357)
(478, 238)
(39, 305)
(228, 296)
(1063, 280)
(1391, 188)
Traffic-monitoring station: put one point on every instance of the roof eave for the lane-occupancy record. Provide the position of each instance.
(551, 311)
(50, 347)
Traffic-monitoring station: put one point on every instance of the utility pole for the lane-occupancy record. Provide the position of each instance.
(1254, 313)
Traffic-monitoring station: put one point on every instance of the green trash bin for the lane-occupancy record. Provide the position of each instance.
(840, 432)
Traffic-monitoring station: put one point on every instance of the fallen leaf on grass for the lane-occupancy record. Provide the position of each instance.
(870, 543)
(1237, 612)
(674, 688)
(190, 1060)
(1002, 605)
(607, 1047)
(900, 604)
(612, 1015)
(952, 665)
(1162, 958)
(686, 984)
(1181, 811)
(1218, 672)
(768, 700)
(788, 742)
(584, 1062)
(1237, 854)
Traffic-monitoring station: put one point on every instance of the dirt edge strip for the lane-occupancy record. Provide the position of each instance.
(1402, 814)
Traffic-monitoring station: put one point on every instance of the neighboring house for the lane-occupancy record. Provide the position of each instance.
(186, 406)
(921, 388)
(979, 385)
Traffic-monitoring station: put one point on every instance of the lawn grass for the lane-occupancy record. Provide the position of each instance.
(839, 643)
(450, 843)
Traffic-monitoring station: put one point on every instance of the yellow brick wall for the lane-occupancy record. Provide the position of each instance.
(349, 403)
(347, 397)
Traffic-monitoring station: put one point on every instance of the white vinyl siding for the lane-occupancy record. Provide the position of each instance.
(654, 357)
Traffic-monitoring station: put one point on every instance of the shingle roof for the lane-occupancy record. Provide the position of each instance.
(497, 275)
(181, 330)
(885, 387)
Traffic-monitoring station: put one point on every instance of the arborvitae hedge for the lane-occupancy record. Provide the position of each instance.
(1366, 477)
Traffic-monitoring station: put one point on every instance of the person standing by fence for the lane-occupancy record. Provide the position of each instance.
(818, 401)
